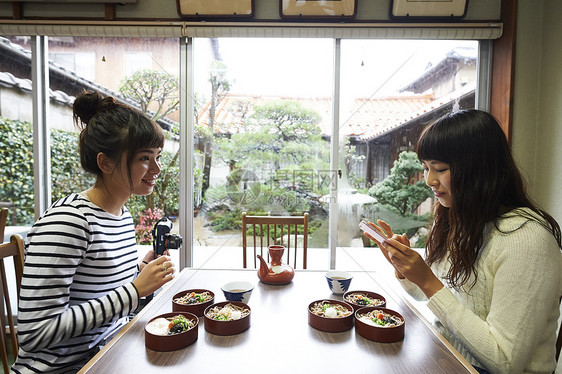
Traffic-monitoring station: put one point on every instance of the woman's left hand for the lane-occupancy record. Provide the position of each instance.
(154, 275)
(410, 264)
(149, 256)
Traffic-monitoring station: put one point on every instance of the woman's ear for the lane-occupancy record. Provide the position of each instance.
(106, 164)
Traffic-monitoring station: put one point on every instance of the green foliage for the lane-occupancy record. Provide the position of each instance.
(400, 190)
(157, 89)
(67, 174)
(232, 220)
(226, 220)
(218, 77)
(16, 152)
(225, 210)
(288, 120)
(153, 89)
(16, 167)
(275, 164)
(279, 135)
(352, 157)
(257, 197)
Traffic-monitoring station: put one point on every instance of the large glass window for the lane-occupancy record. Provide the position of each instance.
(263, 124)
(263, 127)
(263, 131)
(142, 73)
(390, 90)
(88, 63)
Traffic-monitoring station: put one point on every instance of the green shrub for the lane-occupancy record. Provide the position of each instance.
(67, 175)
(16, 168)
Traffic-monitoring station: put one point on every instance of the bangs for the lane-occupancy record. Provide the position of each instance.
(434, 144)
(146, 134)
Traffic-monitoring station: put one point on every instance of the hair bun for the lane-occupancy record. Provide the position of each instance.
(88, 103)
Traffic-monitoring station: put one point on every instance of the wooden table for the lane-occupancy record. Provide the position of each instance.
(280, 340)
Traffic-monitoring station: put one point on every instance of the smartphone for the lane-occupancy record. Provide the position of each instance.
(372, 232)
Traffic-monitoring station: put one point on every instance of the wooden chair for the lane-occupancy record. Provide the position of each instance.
(14, 249)
(277, 230)
(3, 220)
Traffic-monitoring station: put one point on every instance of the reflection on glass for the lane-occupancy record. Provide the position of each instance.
(262, 134)
(390, 90)
(16, 141)
(263, 125)
(140, 72)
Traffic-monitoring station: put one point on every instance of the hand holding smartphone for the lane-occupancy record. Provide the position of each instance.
(372, 232)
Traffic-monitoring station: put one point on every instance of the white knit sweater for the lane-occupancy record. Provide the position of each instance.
(507, 322)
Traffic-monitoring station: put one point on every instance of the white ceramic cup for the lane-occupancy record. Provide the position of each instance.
(339, 281)
(238, 291)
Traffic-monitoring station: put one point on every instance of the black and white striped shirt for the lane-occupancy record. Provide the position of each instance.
(80, 262)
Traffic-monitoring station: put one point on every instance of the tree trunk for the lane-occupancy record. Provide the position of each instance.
(205, 183)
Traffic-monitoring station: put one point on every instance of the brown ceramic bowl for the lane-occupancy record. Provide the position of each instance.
(327, 324)
(197, 309)
(166, 343)
(233, 327)
(379, 333)
(369, 294)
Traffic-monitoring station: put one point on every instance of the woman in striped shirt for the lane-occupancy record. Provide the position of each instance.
(81, 274)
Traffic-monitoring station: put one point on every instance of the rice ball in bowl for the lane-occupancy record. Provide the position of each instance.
(379, 324)
(171, 331)
(330, 315)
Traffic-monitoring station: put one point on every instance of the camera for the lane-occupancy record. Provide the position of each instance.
(162, 239)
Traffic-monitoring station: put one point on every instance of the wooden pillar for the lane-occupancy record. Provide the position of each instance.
(17, 10)
(110, 12)
(503, 68)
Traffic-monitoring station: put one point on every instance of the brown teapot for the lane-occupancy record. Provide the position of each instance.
(275, 272)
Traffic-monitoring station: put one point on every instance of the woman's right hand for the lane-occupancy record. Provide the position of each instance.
(407, 262)
(154, 275)
(385, 229)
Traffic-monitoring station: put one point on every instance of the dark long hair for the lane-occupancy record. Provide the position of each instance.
(485, 184)
(111, 128)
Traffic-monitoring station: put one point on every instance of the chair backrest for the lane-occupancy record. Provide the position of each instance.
(270, 230)
(3, 221)
(15, 249)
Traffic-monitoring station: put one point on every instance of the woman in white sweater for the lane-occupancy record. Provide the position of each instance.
(81, 274)
(492, 266)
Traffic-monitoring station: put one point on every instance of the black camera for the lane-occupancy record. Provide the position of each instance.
(162, 239)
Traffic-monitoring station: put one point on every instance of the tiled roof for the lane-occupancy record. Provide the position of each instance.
(25, 85)
(365, 117)
(376, 116)
(428, 107)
